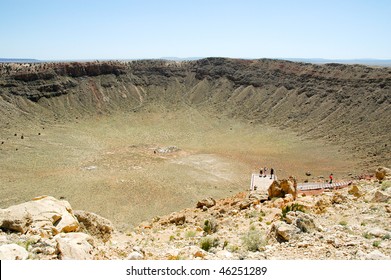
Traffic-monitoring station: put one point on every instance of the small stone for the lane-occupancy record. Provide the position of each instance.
(224, 255)
(376, 255)
(377, 232)
(380, 197)
(355, 191)
(383, 173)
(245, 204)
(199, 254)
(135, 256)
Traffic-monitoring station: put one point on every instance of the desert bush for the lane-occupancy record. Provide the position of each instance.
(293, 207)
(343, 223)
(190, 234)
(207, 243)
(210, 226)
(367, 235)
(253, 240)
(385, 185)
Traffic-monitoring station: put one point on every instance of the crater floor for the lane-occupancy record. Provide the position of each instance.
(109, 164)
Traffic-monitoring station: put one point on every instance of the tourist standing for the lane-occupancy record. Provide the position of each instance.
(271, 173)
(331, 178)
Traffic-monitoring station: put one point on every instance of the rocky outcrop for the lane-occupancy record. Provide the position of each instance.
(335, 225)
(43, 215)
(47, 228)
(94, 224)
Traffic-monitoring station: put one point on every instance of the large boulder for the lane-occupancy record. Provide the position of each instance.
(275, 190)
(305, 222)
(283, 232)
(281, 188)
(207, 202)
(43, 215)
(13, 252)
(177, 219)
(383, 173)
(75, 246)
(94, 224)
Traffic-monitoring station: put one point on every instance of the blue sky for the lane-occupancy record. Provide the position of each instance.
(119, 29)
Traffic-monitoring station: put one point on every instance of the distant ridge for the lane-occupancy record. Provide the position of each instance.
(18, 60)
(174, 58)
(363, 61)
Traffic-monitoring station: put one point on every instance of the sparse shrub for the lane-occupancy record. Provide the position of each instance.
(293, 207)
(172, 237)
(252, 214)
(386, 237)
(210, 226)
(25, 244)
(343, 223)
(363, 224)
(233, 248)
(385, 185)
(373, 208)
(190, 234)
(376, 243)
(367, 235)
(253, 240)
(208, 242)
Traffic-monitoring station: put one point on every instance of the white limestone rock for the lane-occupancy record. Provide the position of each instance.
(13, 252)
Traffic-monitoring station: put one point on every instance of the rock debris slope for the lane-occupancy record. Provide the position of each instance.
(351, 223)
